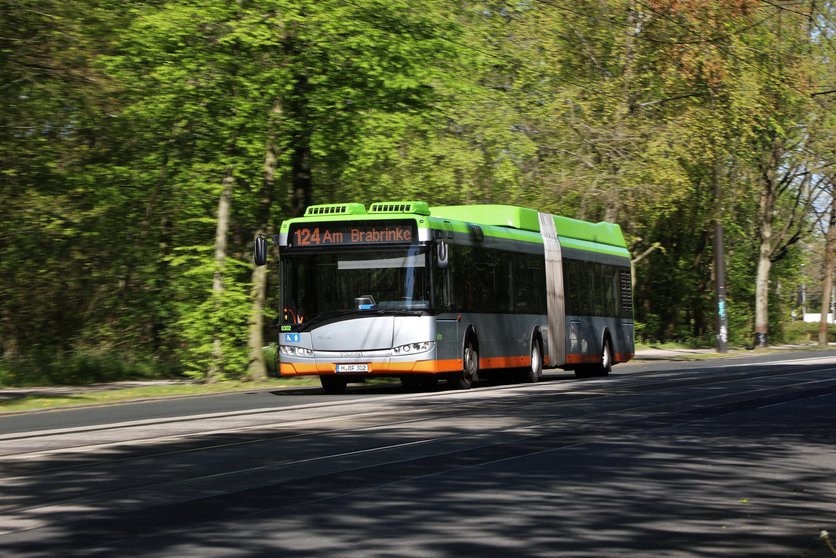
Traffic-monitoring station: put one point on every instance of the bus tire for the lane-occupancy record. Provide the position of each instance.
(534, 371)
(411, 382)
(600, 368)
(470, 367)
(605, 367)
(333, 385)
(429, 382)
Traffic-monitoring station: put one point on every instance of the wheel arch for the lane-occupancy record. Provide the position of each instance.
(469, 333)
(536, 336)
(606, 336)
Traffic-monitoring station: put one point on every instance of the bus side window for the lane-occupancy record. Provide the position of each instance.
(626, 293)
(442, 282)
(467, 280)
(529, 283)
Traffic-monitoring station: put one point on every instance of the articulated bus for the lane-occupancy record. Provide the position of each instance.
(421, 293)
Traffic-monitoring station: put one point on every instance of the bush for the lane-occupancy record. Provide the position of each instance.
(82, 366)
(800, 333)
(271, 353)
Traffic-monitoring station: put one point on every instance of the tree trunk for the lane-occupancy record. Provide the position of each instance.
(613, 197)
(762, 297)
(766, 209)
(827, 281)
(257, 367)
(301, 181)
(8, 337)
(766, 216)
(216, 367)
(300, 149)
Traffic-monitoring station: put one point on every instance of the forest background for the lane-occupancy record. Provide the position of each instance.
(143, 144)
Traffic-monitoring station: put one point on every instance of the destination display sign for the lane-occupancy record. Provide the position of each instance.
(347, 233)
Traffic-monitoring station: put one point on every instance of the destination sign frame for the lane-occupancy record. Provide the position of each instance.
(352, 233)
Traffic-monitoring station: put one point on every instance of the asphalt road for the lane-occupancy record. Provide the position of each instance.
(722, 458)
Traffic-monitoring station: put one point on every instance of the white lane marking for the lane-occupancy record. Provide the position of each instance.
(788, 362)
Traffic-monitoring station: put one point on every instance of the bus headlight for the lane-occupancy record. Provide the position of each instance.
(295, 351)
(413, 348)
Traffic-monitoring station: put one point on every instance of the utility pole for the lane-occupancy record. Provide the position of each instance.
(720, 289)
(719, 253)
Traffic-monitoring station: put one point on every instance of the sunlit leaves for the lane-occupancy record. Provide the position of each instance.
(123, 118)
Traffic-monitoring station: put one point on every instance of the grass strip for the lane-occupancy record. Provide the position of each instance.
(47, 398)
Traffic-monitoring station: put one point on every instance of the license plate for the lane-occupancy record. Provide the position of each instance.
(352, 368)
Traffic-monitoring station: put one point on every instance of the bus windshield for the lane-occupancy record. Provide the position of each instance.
(319, 285)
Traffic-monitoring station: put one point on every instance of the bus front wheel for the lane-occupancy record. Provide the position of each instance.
(333, 384)
(420, 381)
(470, 367)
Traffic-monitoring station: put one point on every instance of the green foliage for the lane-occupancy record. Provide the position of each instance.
(805, 333)
(124, 119)
(83, 366)
(271, 356)
(210, 326)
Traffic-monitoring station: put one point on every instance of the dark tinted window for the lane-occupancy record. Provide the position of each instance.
(596, 289)
(497, 281)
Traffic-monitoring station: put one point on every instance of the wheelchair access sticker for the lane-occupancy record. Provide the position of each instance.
(292, 337)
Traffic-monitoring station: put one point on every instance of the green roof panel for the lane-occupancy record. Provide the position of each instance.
(497, 215)
(504, 221)
(601, 233)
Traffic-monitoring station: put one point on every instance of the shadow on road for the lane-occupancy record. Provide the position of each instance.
(623, 483)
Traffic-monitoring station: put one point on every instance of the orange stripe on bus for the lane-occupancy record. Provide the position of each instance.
(579, 358)
(437, 366)
(417, 367)
(290, 369)
(504, 362)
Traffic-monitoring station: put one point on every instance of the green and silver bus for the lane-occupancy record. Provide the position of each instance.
(421, 293)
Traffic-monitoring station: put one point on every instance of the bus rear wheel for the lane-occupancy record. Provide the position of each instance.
(534, 372)
(333, 384)
(470, 368)
(605, 367)
(601, 368)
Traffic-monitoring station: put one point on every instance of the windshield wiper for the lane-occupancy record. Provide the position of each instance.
(402, 311)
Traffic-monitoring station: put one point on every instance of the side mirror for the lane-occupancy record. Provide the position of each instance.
(443, 255)
(260, 250)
